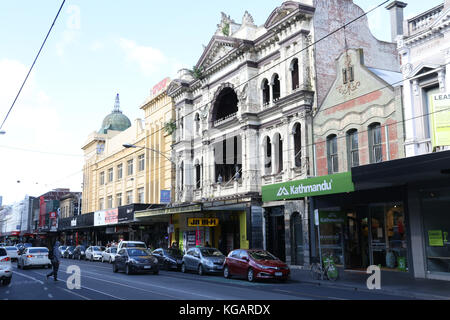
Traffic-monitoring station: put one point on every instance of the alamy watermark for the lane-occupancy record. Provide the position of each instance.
(374, 281)
(74, 280)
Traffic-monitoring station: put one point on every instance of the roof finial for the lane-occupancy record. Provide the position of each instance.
(117, 104)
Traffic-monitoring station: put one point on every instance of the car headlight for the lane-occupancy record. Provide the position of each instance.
(263, 267)
(132, 261)
(209, 263)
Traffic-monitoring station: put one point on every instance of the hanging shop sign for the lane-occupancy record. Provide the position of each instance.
(440, 119)
(203, 222)
(331, 184)
(106, 217)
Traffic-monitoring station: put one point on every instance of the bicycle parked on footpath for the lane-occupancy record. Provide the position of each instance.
(328, 270)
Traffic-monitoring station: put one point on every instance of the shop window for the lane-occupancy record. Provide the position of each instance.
(294, 74)
(332, 155)
(298, 145)
(435, 204)
(352, 148)
(276, 87)
(375, 144)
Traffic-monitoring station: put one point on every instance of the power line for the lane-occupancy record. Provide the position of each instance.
(31, 68)
(42, 152)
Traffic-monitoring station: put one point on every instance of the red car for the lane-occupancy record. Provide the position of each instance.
(255, 264)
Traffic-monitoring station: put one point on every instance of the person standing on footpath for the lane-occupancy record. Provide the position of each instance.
(55, 257)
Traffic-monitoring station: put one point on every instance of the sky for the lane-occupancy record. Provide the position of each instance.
(98, 48)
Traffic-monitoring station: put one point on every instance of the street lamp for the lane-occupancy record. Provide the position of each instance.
(128, 145)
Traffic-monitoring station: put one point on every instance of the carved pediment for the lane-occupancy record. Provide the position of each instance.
(218, 48)
(280, 13)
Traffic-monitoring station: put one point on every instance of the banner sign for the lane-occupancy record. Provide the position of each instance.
(105, 217)
(203, 222)
(440, 119)
(331, 184)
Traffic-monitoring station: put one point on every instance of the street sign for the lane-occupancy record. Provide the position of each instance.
(165, 196)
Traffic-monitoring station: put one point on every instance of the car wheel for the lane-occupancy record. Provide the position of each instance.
(110, 260)
(92, 259)
(6, 281)
(250, 275)
(115, 268)
(200, 270)
(18, 264)
(183, 268)
(226, 273)
(79, 258)
(127, 270)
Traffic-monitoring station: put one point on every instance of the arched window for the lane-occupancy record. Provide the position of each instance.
(198, 177)
(267, 156)
(279, 152)
(375, 144)
(332, 155)
(294, 74)
(265, 92)
(276, 87)
(352, 148)
(225, 105)
(297, 145)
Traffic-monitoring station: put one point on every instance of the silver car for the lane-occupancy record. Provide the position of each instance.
(109, 254)
(203, 260)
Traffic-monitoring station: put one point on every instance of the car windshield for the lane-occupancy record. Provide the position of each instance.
(10, 248)
(174, 252)
(63, 247)
(3, 252)
(134, 245)
(96, 249)
(262, 255)
(211, 253)
(113, 250)
(137, 252)
(38, 250)
(82, 248)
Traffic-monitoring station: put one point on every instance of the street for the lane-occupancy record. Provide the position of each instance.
(98, 282)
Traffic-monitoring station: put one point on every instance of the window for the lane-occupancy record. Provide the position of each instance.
(332, 155)
(118, 200)
(279, 144)
(352, 147)
(102, 178)
(141, 195)
(348, 75)
(130, 167)
(298, 145)
(129, 197)
(110, 175)
(276, 87)
(141, 160)
(197, 176)
(376, 153)
(197, 123)
(267, 156)
(294, 74)
(101, 203)
(119, 172)
(110, 202)
(265, 91)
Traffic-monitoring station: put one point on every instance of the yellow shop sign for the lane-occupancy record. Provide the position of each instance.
(203, 222)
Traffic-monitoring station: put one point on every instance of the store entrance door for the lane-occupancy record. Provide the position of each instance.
(276, 233)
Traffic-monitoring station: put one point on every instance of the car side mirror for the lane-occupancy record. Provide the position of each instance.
(245, 258)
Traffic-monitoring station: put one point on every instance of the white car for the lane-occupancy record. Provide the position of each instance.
(109, 254)
(13, 252)
(94, 253)
(131, 244)
(33, 257)
(5, 267)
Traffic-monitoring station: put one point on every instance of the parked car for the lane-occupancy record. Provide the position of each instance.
(131, 244)
(33, 257)
(255, 264)
(68, 253)
(13, 252)
(94, 253)
(61, 249)
(203, 260)
(79, 252)
(169, 258)
(109, 254)
(5, 267)
(135, 260)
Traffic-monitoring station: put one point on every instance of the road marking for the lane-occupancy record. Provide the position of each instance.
(72, 292)
(20, 274)
(308, 294)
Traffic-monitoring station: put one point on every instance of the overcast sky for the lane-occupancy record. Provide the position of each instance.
(99, 48)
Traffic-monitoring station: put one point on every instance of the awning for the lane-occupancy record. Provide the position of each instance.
(428, 167)
(167, 211)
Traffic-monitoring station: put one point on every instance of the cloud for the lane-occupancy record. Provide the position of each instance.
(149, 59)
(72, 31)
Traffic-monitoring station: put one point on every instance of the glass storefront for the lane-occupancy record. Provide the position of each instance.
(436, 221)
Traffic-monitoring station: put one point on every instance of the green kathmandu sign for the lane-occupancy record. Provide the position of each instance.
(317, 186)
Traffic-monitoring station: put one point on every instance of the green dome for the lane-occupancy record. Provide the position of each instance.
(116, 120)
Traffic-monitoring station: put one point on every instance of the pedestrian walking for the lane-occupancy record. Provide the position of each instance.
(55, 257)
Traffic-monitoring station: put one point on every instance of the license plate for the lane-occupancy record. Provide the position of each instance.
(278, 274)
(147, 267)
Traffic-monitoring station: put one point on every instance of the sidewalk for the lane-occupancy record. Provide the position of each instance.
(395, 283)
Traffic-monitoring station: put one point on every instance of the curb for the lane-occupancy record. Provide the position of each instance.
(424, 296)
